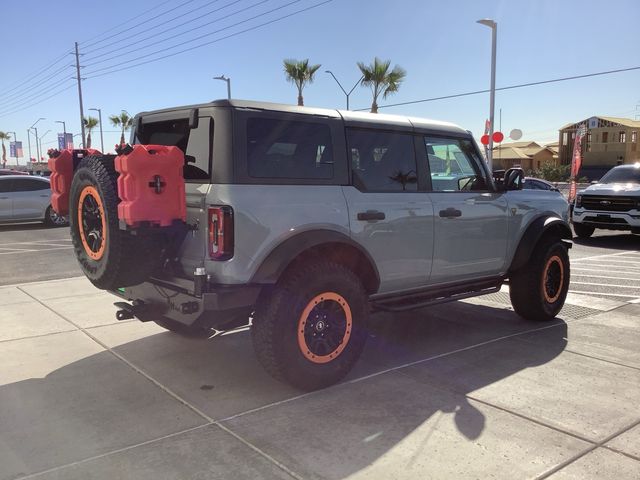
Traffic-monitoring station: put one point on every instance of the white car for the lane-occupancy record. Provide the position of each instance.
(613, 203)
(26, 199)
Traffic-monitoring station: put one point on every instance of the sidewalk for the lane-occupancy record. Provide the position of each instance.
(463, 390)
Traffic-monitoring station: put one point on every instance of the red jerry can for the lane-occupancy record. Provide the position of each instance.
(151, 186)
(61, 176)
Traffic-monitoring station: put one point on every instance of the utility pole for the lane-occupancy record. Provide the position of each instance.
(29, 143)
(79, 79)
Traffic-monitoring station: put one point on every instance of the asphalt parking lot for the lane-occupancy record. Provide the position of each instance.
(463, 390)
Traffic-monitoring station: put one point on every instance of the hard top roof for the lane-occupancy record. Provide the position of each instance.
(350, 117)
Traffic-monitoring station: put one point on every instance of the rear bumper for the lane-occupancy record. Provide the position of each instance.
(608, 220)
(219, 305)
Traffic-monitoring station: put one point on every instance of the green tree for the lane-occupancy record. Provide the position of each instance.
(300, 73)
(4, 136)
(380, 79)
(123, 121)
(89, 123)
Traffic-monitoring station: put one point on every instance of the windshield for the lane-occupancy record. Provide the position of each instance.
(622, 175)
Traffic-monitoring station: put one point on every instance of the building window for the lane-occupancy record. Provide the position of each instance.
(634, 140)
(605, 137)
(588, 145)
(622, 137)
(565, 138)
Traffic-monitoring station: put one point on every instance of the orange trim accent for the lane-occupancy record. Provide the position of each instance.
(302, 343)
(552, 260)
(91, 191)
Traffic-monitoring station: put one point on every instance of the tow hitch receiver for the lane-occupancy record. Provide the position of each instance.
(129, 311)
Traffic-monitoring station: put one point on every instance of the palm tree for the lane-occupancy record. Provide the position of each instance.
(300, 73)
(124, 121)
(380, 79)
(4, 136)
(90, 123)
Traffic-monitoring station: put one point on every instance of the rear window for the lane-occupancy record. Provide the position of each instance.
(289, 149)
(195, 143)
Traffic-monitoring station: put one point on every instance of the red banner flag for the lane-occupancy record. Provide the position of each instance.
(576, 160)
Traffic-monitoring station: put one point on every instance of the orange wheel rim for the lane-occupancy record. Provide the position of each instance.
(92, 224)
(553, 279)
(324, 327)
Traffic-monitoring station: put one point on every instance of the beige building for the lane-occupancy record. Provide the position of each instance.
(609, 142)
(528, 155)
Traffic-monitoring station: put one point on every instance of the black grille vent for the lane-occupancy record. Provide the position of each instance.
(608, 204)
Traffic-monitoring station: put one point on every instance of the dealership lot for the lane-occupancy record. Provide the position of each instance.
(463, 390)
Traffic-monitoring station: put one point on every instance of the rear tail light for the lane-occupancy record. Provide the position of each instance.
(220, 233)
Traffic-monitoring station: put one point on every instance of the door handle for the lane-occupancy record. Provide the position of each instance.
(371, 215)
(450, 213)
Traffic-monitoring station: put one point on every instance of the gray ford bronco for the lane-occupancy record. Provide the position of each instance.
(302, 221)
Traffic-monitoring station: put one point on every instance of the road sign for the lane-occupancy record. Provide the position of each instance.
(15, 149)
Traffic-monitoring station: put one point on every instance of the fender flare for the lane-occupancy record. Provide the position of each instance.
(281, 256)
(540, 226)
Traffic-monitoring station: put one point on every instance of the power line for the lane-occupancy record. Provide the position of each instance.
(39, 102)
(15, 103)
(159, 25)
(510, 87)
(32, 76)
(138, 48)
(206, 43)
(19, 96)
(136, 26)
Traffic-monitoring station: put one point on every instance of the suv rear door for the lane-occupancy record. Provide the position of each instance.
(388, 215)
(471, 219)
(195, 139)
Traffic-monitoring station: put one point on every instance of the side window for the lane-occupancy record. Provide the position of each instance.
(5, 185)
(289, 149)
(382, 161)
(453, 164)
(29, 185)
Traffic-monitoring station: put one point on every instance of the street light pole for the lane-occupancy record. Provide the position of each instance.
(45, 133)
(228, 80)
(100, 122)
(341, 88)
(492, 100)
(29, 143)
(33, 127)
(64, 133)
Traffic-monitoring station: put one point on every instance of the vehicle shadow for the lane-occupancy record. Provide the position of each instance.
(621, 241)
(98, 403)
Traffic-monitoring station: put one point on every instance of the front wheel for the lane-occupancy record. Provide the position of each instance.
(310, 329)
(538, 290)
(583, 231)
(52, 219)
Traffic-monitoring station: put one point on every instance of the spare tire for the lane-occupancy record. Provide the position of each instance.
(109, 257)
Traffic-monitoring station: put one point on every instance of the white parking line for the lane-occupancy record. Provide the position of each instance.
(616, 261)
(601, 276)
(604, 255)
(68, 247)
(605, 285)
(602, 293)
(13, 249)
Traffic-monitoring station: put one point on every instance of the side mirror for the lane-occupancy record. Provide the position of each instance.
(513, 179)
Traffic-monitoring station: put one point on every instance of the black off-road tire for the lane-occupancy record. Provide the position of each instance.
(189, 331)
(583, 231)
(109, 257)
(538, 290)
(288, 315)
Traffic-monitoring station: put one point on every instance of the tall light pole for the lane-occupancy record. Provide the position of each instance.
(228, 80)
(100, 123)
(36, 130)
(15, 143)
(43, 135)
(492, 100)
(29, 144)
(342, 88)
(64, 133)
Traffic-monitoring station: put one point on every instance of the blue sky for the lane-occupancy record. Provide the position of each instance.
(439, 44)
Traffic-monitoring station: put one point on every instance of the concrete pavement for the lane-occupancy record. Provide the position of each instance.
(463, 390)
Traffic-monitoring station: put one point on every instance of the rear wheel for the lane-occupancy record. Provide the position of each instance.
(52, 219)
(583, 231)
(309, 330)
(108, 256)
(538, 290)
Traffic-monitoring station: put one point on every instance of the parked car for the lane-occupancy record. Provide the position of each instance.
(8, 171)
(305, 219)
(25, 199)
(613, 203)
